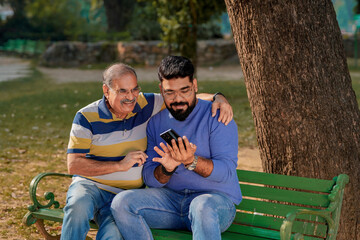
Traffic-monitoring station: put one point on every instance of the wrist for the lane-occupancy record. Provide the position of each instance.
(191, 166)
(218, 93)
(166, 172)
(119, 167)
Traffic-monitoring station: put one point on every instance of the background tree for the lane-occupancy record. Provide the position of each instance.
(52, 20)
(305, 111)
(60, 20)
(118, 14)
(144, 12)
(18, 22)
(357, 7)
(179, 21)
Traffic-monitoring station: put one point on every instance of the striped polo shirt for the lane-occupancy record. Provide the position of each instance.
(104, 137)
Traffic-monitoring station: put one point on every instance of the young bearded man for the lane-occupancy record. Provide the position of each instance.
(193, 186)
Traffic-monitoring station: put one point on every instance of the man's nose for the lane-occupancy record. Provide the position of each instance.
(178, 97)
(129, 95)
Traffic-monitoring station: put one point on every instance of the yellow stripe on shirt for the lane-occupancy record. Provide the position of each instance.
(119, 149)
(123, 184)
(79, 143)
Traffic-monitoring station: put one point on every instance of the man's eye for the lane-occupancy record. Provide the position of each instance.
(185, 90)
(122, 91)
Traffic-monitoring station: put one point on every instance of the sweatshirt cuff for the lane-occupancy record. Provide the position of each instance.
(219, 171)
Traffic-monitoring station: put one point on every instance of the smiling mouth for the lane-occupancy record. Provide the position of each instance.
(128, 102)
(179, 106)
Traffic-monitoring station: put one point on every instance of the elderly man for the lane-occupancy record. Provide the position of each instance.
(106, 150)
(193, 186)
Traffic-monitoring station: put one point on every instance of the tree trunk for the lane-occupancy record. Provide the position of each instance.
(188, 36)
(118, 14)
(305, 111)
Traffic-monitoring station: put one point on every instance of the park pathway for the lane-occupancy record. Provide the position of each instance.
(12, 68)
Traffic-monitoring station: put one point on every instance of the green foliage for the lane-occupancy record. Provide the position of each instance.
(179, 21)
(210, 29)
(61, 19)
(144, 24)
(56, 20)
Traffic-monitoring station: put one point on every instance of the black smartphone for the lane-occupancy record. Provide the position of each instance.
(170, 134)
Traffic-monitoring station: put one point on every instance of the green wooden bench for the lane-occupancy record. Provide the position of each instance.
(273, 207)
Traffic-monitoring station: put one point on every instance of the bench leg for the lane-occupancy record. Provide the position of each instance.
(41, 228)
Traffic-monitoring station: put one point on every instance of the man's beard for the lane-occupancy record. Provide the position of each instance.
(180, 114)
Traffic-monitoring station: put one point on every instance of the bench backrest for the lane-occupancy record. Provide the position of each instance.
(268, 198)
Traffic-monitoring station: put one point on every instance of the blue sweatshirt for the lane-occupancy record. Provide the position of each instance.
(214, 141)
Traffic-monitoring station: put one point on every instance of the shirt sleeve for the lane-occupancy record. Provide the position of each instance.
(149, 166)
(159, 104)
(80, 135)
(224, 150)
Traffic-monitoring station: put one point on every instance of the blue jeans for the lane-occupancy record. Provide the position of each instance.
(85, 201)
(206, 214)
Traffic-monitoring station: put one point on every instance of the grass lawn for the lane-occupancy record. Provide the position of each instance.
(35, 119)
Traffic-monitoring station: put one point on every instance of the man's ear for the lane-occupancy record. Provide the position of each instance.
(160, 87)
(195, 85)
(105, 90)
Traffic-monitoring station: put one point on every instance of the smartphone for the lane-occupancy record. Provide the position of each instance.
(170, 134)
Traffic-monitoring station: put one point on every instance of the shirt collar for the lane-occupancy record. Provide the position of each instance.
(105, 113)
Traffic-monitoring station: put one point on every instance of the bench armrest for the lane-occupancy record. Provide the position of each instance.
(286, 227)
(48, 195)
(331, 214)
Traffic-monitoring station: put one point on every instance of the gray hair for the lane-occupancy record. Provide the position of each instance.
(115, 71)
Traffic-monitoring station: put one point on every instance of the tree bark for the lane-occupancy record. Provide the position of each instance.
(118, 14)
(305, 111)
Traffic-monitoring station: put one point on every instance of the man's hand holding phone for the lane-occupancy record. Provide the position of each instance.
(177, 150)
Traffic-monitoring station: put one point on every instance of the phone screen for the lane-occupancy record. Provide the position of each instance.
(170, 134)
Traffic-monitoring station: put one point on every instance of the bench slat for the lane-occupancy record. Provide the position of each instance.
(254, 231)
(275, 209)
(305, 198)
(303, 183)
(275, 224)
(55, 215)
(261, 232)
(231, 236)
(160, 234)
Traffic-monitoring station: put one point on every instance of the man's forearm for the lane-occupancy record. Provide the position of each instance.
(204, 168)
(205, 96)
(88, 167)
